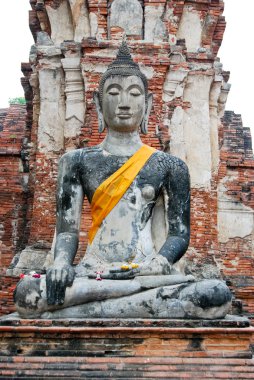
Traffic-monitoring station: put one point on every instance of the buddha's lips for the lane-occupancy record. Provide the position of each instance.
(123, 115)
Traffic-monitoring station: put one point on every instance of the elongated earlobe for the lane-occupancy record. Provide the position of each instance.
(101, 123)
(144, 123)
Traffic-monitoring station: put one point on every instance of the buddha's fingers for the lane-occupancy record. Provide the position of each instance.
(61, 283)
(70, 275)
(57, 279)
(51, 286)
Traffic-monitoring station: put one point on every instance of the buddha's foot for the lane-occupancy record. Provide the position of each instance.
(29, 299)
(207, 299)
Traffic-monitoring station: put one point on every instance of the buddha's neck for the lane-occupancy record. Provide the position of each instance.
(122, 143)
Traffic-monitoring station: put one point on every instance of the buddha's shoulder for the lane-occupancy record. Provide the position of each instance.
(170, 162)
(78, 155)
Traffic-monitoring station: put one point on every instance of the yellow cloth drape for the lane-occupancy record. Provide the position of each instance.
(109, 193)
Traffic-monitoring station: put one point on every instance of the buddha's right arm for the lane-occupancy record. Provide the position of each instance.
(69, 200)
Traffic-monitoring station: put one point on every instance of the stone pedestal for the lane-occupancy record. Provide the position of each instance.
(147, 349)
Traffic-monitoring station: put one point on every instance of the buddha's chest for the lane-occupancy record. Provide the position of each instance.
(149, 180)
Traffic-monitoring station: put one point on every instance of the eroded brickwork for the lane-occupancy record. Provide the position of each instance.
(13, 181)
(235, 208)
(116, 349)
(13, 195)
(176, 44)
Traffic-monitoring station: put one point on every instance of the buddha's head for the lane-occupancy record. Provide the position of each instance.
(123, 102)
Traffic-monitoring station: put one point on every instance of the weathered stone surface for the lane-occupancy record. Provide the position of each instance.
(208, 299)
(168, 302)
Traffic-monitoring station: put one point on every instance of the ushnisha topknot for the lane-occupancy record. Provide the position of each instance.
(123, 65)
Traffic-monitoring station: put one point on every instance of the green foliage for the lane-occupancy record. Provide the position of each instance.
(19, 100)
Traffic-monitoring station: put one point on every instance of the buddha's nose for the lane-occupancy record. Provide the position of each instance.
(124, 101)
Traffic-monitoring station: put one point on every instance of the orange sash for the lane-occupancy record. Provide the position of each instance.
(109, 193)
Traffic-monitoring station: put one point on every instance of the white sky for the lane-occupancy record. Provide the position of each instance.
(236, 53)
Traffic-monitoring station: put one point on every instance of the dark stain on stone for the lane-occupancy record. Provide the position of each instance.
(217, 296)
(195, 343)
(133, 199)
(148, 307)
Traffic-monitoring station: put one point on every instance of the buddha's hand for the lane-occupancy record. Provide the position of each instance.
(116, 274)
(155, 265)
(58, 277)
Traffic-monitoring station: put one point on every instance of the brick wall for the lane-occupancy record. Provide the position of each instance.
(237, 173)
(102, 350)
(14, 195)
(13, 180)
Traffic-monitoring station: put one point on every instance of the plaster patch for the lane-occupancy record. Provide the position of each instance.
(214, 123)
(81, 20)
(52, 110)
(90, 67)
(177, 144)
(154, 27)
(147, 71)
(174, 84)
(109, 53)
(234, 220)
(190, 29)
(93, 24)
(222, 190)
(223, 98)
(127, 14)
(60, 22)
(196, 122)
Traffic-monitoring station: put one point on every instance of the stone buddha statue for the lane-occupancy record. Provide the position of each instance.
(140, 203)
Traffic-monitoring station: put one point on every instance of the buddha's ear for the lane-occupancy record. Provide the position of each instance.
(101, 122)
(144, 124)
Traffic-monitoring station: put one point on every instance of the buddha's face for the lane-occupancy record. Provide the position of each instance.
(123, 103)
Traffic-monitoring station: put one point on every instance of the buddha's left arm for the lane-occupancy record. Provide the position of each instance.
(178, 211)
